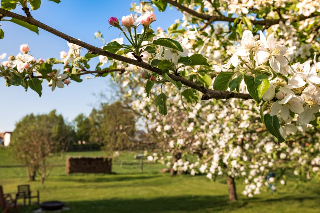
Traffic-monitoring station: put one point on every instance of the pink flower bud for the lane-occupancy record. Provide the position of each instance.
(40, 61)
(51, 74)
(113, 21)
(67, 70)
(127, 21)
(11, 58)
(148, 18)
(144, 74)
(67, 81)
(26, 66)
(66, 62)
(24, 48)
(152, 78)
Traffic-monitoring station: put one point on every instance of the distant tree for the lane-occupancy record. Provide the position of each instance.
(112, 126)
(36, 137)
(82, 127)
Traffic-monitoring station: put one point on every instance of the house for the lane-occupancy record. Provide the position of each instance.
(5, 138)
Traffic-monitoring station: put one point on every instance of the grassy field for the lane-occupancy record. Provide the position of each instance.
(129, 191)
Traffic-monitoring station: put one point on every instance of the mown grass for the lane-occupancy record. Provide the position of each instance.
(129, 191)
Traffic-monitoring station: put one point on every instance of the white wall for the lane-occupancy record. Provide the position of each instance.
(7, 137)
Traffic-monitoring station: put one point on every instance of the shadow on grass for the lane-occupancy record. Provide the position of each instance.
(162, 204)
(171, 204)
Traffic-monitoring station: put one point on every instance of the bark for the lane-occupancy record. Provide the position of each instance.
(232, 189)
(31, 174)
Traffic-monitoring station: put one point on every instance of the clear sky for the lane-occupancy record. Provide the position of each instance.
(80, 19)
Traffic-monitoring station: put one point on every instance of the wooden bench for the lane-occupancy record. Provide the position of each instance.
(25, 193)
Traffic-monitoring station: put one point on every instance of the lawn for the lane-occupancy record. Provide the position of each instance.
(129, 191)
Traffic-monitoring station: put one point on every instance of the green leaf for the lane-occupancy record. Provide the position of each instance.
(9, 4)
(173, 27)
(165, 65)
(76, 78)
(262, 85)
(160, 4)
(249, 80)
(155, 62)
(222, 81)
(273, 126)
(257, 86)
(184, 60)
(148, 87)
(166, 77)
(247, 22)
(45, 69)
(167, 42)
(14, 79)
(239, 29)
(112, 47)
(53, 61)
(1, 34)
(206, 79)
(26, 25)
(235, 83)
(56, 1)
(35, 84)
(150, 49)
(189, 95)
(198, 59)
(161, 104)
(90, 56)
(35, 4)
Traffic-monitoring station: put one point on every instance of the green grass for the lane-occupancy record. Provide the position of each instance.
(129, 191)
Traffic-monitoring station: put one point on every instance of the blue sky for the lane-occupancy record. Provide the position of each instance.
(80, 19)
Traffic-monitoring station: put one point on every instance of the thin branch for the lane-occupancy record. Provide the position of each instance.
(208, 93)
(267, 22)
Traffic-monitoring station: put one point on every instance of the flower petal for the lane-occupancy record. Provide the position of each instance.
(285, 113)
(3, 55)
(274, 64)
(295, 105)
(59, 84)
(275, 108)
(262, 56)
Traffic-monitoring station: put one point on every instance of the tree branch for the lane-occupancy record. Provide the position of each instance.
(208, 93)
(210, 19)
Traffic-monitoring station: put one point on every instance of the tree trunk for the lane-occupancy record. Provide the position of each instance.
(232, 189)
(177, 157)
(31, 174)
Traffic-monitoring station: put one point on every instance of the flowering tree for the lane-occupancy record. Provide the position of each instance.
(260, 50)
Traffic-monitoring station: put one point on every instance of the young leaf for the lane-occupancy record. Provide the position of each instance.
(45, 69)
(90, 56)
(1, 34)
(235, 83)
(35, 4)
(273, 126)
(167, 42)
(35, 84)
(56, 1)
(26, 25)
(148, 87)
(262, 85)
(9, 4)
(160, 4)
(161, 103)
(248, 23)
(206, 79)
(222, 81)
(112, 47)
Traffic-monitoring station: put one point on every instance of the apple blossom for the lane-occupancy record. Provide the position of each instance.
(24, 48)
(127, 21)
